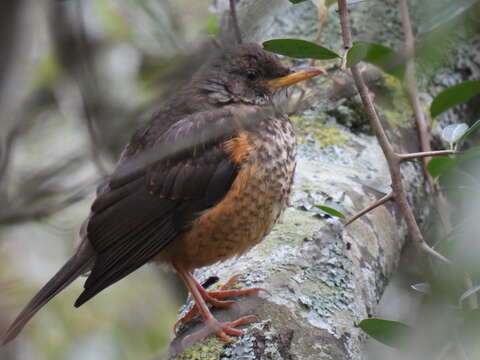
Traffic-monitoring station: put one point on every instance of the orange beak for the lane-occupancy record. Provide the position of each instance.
(300, 75)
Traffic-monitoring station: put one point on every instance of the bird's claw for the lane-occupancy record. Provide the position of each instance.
(222, 330)
(212, 297)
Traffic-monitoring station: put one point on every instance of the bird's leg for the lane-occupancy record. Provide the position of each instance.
(201, 296)
(213, 296)
(194, 310)
(224, 291)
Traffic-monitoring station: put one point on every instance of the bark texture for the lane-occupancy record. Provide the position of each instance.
(325, 278)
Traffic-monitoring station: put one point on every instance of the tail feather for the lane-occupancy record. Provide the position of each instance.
(77, 265)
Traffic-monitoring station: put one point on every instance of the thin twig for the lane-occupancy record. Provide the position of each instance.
(345, 25)
(424, 136)
(393, 159)
(424, 154)
(347, 38)
(411, 82)
(412, 92)
(236, 27)
(370, 207)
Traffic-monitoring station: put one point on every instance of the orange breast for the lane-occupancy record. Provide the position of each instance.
(248, 211)
(239, 147)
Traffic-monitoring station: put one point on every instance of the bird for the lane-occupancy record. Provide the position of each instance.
(203, 180)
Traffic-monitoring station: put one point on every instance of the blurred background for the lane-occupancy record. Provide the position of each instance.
(76, 77)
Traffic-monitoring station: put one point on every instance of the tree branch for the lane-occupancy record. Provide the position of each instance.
(422, 126)
(424, 136)
(393, 159)
(411, 83)
(369, 208)
(424, 154)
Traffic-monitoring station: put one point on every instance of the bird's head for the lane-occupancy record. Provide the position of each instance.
(249, 74)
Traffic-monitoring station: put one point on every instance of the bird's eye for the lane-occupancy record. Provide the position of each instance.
(252, 75)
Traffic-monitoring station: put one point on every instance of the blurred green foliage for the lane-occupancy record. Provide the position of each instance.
(212, 26)
(116, 26)
(379, 55)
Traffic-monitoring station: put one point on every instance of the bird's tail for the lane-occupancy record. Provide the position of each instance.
(77, 265)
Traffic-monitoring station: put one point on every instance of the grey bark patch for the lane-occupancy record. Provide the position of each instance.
(325, 278)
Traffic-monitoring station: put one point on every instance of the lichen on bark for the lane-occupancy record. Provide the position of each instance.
(323, 278)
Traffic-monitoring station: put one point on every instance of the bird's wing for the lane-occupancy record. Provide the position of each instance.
(153, 196)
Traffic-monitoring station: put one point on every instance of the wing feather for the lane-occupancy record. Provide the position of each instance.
(145, 207)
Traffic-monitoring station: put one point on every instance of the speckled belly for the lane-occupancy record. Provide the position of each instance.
(247, 213)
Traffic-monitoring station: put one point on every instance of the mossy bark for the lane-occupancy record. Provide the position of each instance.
(323, 277)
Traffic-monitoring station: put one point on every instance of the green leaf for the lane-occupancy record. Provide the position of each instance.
(330, 211)
(453, 96)
(439, 165)
(301, 49)
(368, 52)
(376, 54)
(388, 332)
(296, 1)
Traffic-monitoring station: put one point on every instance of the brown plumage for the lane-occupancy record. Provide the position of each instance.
(203, 180)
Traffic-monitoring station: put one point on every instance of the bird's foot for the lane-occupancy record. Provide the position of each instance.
(213, 298)
(222, 330)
